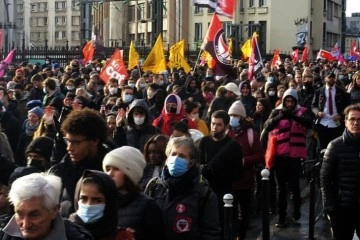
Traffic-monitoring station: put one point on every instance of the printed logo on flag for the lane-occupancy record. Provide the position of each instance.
(221, 48)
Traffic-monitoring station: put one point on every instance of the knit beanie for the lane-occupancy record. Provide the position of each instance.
(38, 111)
(127, 159)
(42, 146)
(237, 108)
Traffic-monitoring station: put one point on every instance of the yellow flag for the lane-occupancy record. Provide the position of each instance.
(246, 48)
(230, 46)
(133, 56)
(177, 57)
(155, 62)
(207, 58)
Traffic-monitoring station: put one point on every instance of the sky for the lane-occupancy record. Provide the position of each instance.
(352, 6)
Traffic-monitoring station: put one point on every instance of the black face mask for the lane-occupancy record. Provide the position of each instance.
(18, 96)
(39, 164)
(171, 109)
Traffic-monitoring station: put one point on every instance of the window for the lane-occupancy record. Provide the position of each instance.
(251, 3)
(140, 11)
(42, 7)
(75, 20)
(329, 12)
(132, 13)
(60, 5)
(251, 29)
(241, 5)
(35, 36)
(336, 10)
(148, 10)
(60, 20)
(20, 22)
(75, 5)
(42, 21)
(75, 35)
(197, 10)
(325, 1)
(34, 7)
(60, 35)
(262, 3)
(227, 29)
(198, 32)
(20, 7)
(164, 8)
(324, 33)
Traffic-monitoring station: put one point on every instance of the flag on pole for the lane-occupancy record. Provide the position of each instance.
(88, 51)
(276, 59)
(295, 55)
(215, 44)
(231, 46)
(177, 57)
(325, 55)
(114, 68)
(246, 49)
(208, 59)
(4, 64)
(255, 60)
(305, 54)
(133, 56)
(335, 52)
(155, 62)
(222, 7)
(353, 50)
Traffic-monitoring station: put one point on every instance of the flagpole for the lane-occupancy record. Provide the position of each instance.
(257, 47)
(198, 57)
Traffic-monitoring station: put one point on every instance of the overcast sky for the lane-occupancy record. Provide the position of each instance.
(352, 6)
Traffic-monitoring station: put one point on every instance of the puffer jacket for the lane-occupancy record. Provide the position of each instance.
(340, 174)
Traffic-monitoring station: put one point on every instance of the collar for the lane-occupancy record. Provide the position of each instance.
(57, 231)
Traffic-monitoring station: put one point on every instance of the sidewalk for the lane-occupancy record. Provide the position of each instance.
(298, 230)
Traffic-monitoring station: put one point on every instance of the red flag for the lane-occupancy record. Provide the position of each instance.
(326, 54)
(276, 59)
(6, 62)
(305, 55)
(223, 7)
(342, 60)
(88, 51)
(255, 60)
(215, 44)
(295, 55)
(353, 50)
(335, 52)
(115, 68)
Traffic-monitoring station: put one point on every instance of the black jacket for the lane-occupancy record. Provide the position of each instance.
(340, 174)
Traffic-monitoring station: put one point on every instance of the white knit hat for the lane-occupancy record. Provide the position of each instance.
(237, 108)
(232, 87)
(127, 159)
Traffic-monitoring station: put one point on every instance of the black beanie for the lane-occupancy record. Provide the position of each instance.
(42, 146)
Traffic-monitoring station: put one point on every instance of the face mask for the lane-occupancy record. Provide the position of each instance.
(128, 98)
(45, 90)
(113, 90)
(90, 213)
(70, 88)
(161, 82)
(270, 79)
(272, 93)
(98, 69)
(18, 96)
(142, 85)
(177, 166)
(234, 122)
(139, 120)
(39, 164)
(171, 110)
(132, 85)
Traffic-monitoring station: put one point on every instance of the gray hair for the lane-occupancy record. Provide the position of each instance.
(45, 185)
(185, 141)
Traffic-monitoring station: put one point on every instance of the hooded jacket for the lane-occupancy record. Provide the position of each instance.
(248, 101)
(138, 135)
(105, 227)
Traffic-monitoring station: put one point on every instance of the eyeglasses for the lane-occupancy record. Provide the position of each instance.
(354, 120)
(75, 142)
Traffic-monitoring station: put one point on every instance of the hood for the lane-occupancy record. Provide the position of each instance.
(289, 92)
(109, 188)
(141, 103)
(187, 83)
(179, 109)
(247, 84)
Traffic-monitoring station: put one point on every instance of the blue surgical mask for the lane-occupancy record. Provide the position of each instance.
(132, 85)
(128, 98)
(142, 85)
(234, 122)
(176, 165)
(90, 213)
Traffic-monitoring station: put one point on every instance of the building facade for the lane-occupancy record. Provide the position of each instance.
(352, 31)
(7, 24)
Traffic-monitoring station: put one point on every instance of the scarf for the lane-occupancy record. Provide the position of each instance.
(30, 129)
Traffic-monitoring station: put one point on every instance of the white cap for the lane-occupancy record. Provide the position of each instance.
(233, 88)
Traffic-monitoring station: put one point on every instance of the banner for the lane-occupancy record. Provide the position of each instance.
(222, 7)
(88, 51)
(115, 68)
(4, 64)
(177, 57)
(276, 59)
(155, 62)
(133, 56)
(215, 44)
(255, 60)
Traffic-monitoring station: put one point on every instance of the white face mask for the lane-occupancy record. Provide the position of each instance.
(139, 120)
(272, 93)
(113, 90)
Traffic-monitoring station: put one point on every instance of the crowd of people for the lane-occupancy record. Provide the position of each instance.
(151, 156)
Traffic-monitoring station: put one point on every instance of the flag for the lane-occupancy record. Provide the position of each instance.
(276, 59)
(335, 52)
(255, 60)
(326, 55)
(88, 51)
(4, 64)
(155, 62)
(177, 57)
(305, 54)
(133, 56)
(208, 59)
(353, 50)
(223, 7)
(114, 68)
(230, 46)
(342, 60)
(246, 49)
(295, 55)
(215, 44)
